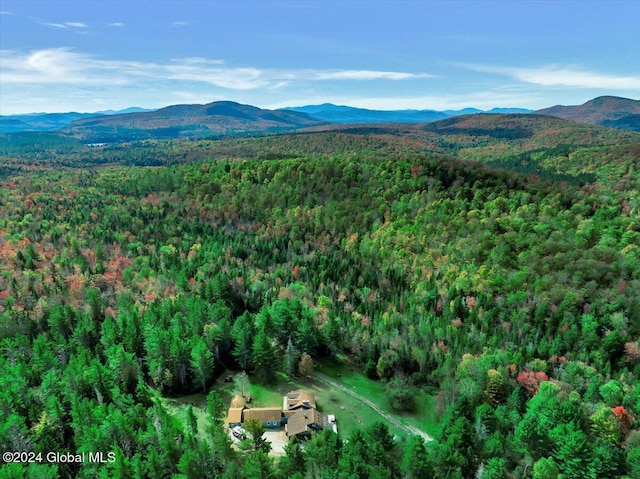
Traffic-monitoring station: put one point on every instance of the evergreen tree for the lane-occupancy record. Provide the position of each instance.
(201, 363)
(265, 355)
(242, 333)
(290, 358)
(256, 430)
(415, 461)
(293, 463)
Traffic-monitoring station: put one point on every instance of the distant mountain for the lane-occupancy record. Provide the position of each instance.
(347, 114)
(39, 122)
(599, 111)
(464, 111)
(190, 121)
(133, 109)
(50, 121)
(12, 125)
(509, 110)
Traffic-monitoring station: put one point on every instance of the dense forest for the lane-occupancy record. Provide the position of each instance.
(487, 262)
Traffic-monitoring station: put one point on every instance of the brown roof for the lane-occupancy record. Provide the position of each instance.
(299, 398)
(299, 423)
(264, 414)
(237, 401)
(234, 415)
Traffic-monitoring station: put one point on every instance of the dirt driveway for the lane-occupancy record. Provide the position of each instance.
(278, 440)
(403, 427)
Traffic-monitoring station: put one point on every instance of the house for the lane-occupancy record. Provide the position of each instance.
(298, 415)
(305, 422)
(269, 416)
(299, 399)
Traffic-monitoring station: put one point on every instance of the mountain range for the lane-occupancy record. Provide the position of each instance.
(189, 121)
(52, 121)
(231, 118)
(611, 111)
(347, 114)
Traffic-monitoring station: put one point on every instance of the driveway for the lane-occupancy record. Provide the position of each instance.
(276, 437)
(408, 429)
(278, 440)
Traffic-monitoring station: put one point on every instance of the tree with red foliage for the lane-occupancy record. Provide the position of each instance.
(531, 380)
(625, 419)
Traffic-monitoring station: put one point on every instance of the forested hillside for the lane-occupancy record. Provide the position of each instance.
(492, 262)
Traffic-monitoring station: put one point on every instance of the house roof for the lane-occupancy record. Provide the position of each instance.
(299, 423)
(264, 414)
(237, 401)
(234, 415)
(299, 398)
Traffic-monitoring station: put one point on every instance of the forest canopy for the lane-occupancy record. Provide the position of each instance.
(499, 272)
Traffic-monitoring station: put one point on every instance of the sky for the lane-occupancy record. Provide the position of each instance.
(93, 55)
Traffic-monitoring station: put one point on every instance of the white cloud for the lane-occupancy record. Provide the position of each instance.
(78, 27)
(555, 75)
(54, 66)
(116, 24)
(368, 75)
(61, 26)
(5, 12)
(62, 79)
(65, 66)
(199, 61)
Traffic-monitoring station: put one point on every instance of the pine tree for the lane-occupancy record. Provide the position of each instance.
(201, 363)
(290, 358)
(415, 462)
(265, 355)
(242, 333)
(256, 430)
(293, 462)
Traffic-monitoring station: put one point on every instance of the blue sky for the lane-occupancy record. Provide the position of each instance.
(94, 55)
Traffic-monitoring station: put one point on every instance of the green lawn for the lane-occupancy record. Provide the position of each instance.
(350, 412)
(423, 418)
(177, 407)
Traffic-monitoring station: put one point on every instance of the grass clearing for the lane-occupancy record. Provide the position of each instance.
(177, 407)
(423, 418)
(350, 413)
